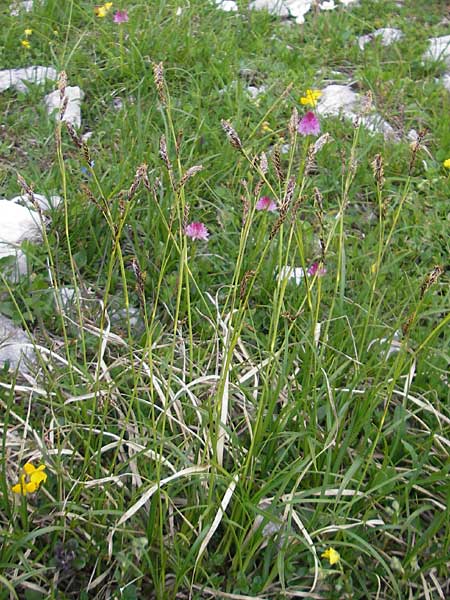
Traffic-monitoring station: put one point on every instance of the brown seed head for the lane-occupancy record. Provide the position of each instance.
(62, 84)
(232, 136)
(293, 123)
(378, 170)
(431, 279)
(189, 173)
(276, 160)
(158, 76)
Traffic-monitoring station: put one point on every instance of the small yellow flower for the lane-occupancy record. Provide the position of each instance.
(26, 44)
(447, 163)
(28, 32)
(102, 11)
(266, 126)
(332, 555)
(30, 480)
(311, 97)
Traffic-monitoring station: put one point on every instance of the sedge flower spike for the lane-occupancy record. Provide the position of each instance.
(309, 124)
(331, 555)
(121, 16)
(30, 480)
(197, 231)
(266, 203)
(310, 98)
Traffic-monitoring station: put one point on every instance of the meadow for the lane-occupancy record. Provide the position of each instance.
(238, 378)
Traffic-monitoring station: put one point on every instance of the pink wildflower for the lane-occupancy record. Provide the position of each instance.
(266, 203)
(197, 231)
(315, 270)
(120, 16)
(309, 124)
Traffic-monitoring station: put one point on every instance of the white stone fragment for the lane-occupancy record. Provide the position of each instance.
(336, 100)
(17, 7)
(376, 124)
(296, 9)
(18, 78)
(438, 49)
(72, 114)
(227, 5)
(255, 91)
(288, 272)
(446, 81)
(341, 100)
(387, 36)
(44, 202)
(274, 7)
(327, 5)
(14, 346)
(17, 224)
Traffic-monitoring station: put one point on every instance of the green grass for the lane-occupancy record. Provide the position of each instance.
(218, 445)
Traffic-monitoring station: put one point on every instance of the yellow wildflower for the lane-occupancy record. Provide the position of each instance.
(332, 555)
(102, 11)
(311, 97)
(266, 126)
(28, 32)
(30, 480)
(447, 163)
(25, 44)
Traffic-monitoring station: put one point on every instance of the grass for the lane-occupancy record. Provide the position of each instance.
(210, 429)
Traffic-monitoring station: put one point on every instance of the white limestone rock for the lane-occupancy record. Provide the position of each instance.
(274, 7)
(15, 350)
(17, 7)
(45, 203)
(18, 223)
(446, 81)
(18, 78)
(338, 100)
(227, 5)
(341, 100)
(297, 9)
(387, 36)
(438, 49)
(327, 5)
(288, 272)
(72, 114)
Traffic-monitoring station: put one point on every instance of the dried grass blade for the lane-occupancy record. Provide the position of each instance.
(146, 497)
(215, 524)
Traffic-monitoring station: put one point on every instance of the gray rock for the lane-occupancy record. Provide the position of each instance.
(72, 113)
(387, 36)
(17, 7)
(438, 49)
(15, 350)
(18, 78)
(341, 100)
